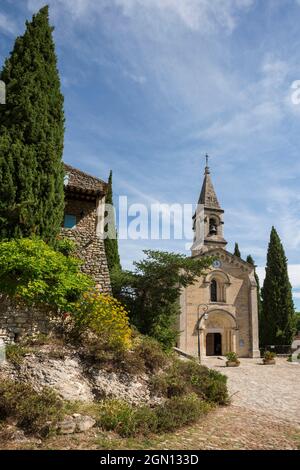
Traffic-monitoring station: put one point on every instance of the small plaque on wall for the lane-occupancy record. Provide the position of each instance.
(242, 343)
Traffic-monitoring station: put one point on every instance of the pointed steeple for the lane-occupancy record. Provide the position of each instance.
(208, 195)
(208, 218)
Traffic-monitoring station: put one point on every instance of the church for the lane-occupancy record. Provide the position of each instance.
(219, 311)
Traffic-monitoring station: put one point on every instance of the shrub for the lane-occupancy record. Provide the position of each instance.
(232, 357)
(65, 246)
(32, 271)
(269, 355)
(145, 355)
(127, 420)
(104, 316)
(180, 411)
(34, 412)
(184, 377)
(15, 353)
(151, 352)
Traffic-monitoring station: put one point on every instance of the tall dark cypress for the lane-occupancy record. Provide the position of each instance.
(250, 260)
(278, 315)
(111, 241)
(32, 136)
(237, 250)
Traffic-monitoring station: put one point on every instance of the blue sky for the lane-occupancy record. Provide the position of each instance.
(152, 85)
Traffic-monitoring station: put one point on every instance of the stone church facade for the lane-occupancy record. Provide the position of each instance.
(219, 311)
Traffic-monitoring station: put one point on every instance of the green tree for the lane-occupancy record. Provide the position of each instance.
(250, 260)
(151, 292)
(31, 136)
(297, 321)
(278, 315)
(237, 250)
(111, 240)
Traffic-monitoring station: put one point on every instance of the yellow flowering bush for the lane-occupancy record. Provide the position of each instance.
(106, 317)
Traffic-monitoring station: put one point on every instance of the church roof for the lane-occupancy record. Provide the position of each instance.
(208, 195)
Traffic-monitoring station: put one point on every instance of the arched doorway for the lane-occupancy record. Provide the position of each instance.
(218, 333)
(214, 344)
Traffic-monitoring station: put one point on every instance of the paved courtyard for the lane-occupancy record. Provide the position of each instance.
(273, 390)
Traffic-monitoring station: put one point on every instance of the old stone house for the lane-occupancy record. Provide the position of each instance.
(84, 224)
(219, 311)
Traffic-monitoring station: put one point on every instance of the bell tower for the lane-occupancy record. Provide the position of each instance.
(208, 218)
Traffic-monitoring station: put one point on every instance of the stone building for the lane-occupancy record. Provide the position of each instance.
(219, 311)
(84, 224)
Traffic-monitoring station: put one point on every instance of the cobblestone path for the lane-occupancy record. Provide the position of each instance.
(273, 389)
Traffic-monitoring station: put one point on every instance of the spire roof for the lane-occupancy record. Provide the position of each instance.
(208, 195)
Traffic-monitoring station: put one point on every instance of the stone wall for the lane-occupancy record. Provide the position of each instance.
(90, 247)
(16, 320)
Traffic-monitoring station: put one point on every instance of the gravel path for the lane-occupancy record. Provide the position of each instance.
(274, 390)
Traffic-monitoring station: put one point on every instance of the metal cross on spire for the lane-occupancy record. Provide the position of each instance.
(206, 158)
(206, 167)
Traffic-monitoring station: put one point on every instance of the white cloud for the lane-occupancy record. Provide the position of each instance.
(204, 15)
(7, 25)
(294, 275)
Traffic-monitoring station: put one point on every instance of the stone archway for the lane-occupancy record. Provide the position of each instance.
(219, 326)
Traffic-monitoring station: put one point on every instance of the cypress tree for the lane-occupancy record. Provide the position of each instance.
(31, 136)
(237, 250)
(278, 315)
(111, 240)
(250, 260)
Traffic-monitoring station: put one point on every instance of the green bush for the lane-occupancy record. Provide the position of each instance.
(184, 377)
(125, 419)
(151, 352)
(128, 421)
(232, 357)
(65, 246)
(34, 412)
(146, 355)
(15, 353)
(32, 271)
(180, 411)
(269, 355)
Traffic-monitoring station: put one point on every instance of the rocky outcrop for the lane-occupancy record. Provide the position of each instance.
(73, 379)
(76, 423)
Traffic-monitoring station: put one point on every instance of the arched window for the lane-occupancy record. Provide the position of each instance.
(213, 291)
(213, 226)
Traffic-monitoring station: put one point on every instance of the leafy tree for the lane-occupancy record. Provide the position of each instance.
(278, 316)
(151, 292)
(31, 136)
(32, 271)
(111, 240)
(237, 250)
(250, 260)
